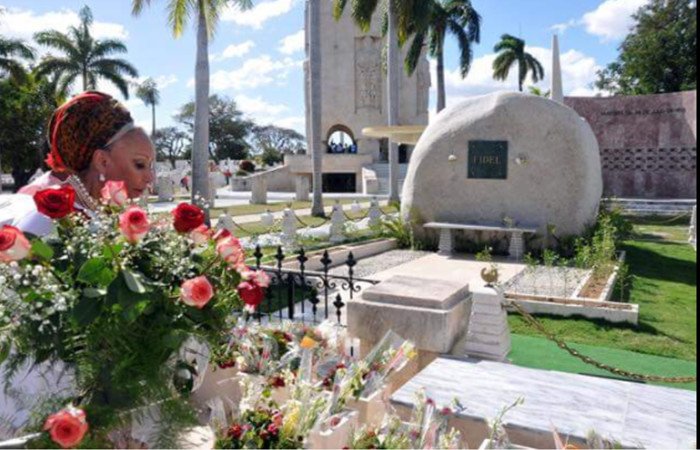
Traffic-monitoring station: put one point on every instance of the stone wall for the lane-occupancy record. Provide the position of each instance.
(648, 144)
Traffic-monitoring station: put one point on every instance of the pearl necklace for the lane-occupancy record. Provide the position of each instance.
(84, 197)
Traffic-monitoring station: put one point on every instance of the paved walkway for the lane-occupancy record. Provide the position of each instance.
(636, 415)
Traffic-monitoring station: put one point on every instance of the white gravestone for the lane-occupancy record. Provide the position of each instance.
(337, 224)
(289, 230)
(166, 189)
(375, 214)
(302, 189)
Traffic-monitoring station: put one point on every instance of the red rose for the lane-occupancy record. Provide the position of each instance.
(68, 427)
(273, 429)
(251, 294)
(188, 218)
(56, 203)
(235, 431)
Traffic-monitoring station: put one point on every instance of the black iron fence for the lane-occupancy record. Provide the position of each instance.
(308, 296)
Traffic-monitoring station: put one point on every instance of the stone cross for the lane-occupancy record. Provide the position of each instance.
(289, 230)
(337, 224)
(375, 214)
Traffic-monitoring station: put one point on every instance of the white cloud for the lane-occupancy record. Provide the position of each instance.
(561, 28)
(612, 20)
(257, 107)
(255, 73)
(234, 51)
(293, 43)
(22, 23)
(265, 113)
(259, 14)
(578, 72)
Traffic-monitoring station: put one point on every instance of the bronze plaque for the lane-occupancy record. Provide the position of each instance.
(488, 160)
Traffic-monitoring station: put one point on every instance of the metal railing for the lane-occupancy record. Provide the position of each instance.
(304, 295)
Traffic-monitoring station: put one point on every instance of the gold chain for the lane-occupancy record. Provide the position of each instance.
(590, 361)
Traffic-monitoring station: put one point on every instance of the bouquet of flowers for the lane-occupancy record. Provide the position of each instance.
(113, 294)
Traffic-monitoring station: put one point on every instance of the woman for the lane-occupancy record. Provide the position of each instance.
(92, 140)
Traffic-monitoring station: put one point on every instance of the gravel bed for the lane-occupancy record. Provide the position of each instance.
(560, 282)
(379, 263)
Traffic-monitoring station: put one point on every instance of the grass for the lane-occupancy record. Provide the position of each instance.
(248, 210)
(664, 284)
(257, 228)
(542, 354)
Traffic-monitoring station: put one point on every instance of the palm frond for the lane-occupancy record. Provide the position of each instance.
(137, 6)
(56, 67)
(179, 13)
(339, 8)
(415, 52)
(58, 41)
(536, 67)
(117, 66)
(116, 80)
(502, 65)
(362, 12)
(16, 48)
(108, 47)
(466, 54)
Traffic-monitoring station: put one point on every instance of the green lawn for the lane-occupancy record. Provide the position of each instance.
(247, 210)
(664, 284)
(542, 354)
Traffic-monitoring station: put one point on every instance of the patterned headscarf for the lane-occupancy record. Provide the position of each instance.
(88, 122)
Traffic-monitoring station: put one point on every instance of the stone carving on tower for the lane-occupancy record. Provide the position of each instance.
(368, 73)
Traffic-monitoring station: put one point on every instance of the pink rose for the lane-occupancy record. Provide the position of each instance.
(197, 292)
(231, 251)
(251, 294)
(114, 193)
(201, 236)
(68, 427)
(258, 277)
(134, 224)
(14, 246)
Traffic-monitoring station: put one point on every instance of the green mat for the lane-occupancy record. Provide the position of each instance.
(540, 353)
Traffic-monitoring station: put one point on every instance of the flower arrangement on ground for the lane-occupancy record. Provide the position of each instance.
(113, 295)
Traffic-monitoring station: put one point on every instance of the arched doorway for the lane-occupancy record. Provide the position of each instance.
(341, 141)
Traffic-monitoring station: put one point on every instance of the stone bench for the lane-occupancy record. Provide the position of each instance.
(517, 243)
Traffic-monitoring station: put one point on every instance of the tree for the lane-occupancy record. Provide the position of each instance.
(207, 15)
(283, 140)
(511, 51)
(314, 93)
(659, 55)
(13, 52)
(457, 17)
(24, 109)
(228, 127)
(274, 142)
(85, 57)
(149, 94)
(171, 143)
(400, 19)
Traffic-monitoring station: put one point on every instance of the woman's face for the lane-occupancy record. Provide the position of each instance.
(130, 160)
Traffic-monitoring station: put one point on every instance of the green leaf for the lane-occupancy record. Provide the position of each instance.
(42, 250)
(111, 251)
(135, 281)
(133, 312)
(4, 350)
(96, 271)
(87, 310)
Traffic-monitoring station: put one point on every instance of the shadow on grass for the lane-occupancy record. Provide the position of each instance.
(604, 325)
(653, 265)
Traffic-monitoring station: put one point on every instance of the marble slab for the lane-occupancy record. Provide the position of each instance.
(418, 292)
(636, 415)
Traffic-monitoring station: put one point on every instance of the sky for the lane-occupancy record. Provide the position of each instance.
(257, 56)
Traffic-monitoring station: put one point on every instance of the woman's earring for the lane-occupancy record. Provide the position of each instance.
(103, 178)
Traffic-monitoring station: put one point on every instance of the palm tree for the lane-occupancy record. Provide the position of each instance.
(207, 14)
(149, 94)
(398, 23)
(457, 17)
(511, 51)
(84, 57)
(12, 51)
